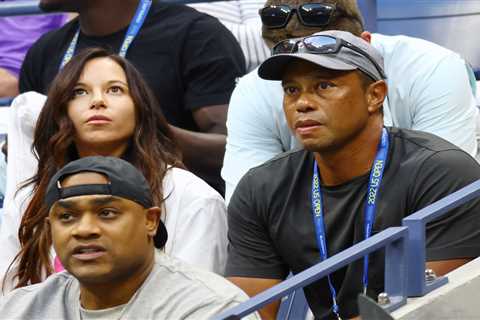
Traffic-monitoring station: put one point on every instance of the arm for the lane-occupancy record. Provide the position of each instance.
(210, 141)
(453, 239)
(8, 84)
(253, 286)
(196, 220)
(445, 266)
(253, 263)
(211, 61)
(443, 104)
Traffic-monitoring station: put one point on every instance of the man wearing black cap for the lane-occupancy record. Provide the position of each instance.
(353, 178)
(104, 228)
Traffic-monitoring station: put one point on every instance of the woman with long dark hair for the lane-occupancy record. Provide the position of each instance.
(99, 105)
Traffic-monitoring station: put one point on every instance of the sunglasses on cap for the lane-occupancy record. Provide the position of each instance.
(309, 14)
(322, 44)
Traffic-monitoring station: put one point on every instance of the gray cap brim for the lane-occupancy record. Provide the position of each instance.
(274, 67)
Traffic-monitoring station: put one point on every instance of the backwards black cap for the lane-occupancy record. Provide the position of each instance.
(125, 181)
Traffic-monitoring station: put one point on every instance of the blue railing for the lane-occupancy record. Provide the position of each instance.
(417, 286)
(392, 239)
(18, 8)
(404, 259)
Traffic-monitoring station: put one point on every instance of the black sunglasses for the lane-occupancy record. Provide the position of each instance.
(322, 44)
(310, 14)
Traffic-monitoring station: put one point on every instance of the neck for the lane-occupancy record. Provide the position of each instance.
(97, 296)
(114, 150)
(351, 160)
(100, 18)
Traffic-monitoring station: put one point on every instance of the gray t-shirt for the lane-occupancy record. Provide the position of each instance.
(173, 290)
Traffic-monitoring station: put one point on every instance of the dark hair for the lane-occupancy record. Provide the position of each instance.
(151, 150)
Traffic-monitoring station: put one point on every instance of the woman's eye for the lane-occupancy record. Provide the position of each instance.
(79, 92)
(115, 89)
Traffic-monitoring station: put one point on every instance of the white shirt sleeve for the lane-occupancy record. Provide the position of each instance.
(196, 221)
(257, 129)
(21, 166)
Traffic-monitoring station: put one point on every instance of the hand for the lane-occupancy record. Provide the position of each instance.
(8, 84)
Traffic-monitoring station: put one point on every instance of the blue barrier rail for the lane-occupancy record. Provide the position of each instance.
(19, 8)
(5, 102)
(417, 286)
(392, 239)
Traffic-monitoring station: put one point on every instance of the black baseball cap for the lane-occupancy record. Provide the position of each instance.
(125, 181)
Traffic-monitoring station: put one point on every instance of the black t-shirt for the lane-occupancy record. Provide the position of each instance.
(271, 227)
(188, 58)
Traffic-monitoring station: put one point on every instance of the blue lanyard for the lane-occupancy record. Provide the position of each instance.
(133, 29)
(376, 174)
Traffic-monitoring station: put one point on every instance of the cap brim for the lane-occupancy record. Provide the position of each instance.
(274, 67)
(161, 236)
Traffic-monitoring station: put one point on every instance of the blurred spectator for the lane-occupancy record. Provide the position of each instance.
(100, 105)
(428, 88)
(17, 34)
(242, 19)
(189, 59)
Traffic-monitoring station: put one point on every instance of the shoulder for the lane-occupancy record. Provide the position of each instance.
(179, 13)
(405, 44)
(180, 182)
(37, 297)
(186, 194)
(421, 141)
(282, 163)
(284, 167)
(204, 284)
(424, 150)
(413, 55)
(55, 38)
(252, 81)
(253, 94)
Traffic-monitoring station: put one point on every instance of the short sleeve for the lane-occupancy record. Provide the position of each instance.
(212, 60)
(457, 234)
(251, 252)
(196, 221)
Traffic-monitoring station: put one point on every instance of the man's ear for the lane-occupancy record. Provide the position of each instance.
(367, 36)
(152, 220)
(376, 93)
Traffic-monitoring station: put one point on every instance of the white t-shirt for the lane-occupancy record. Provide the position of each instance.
(195, 216)
(428, 90)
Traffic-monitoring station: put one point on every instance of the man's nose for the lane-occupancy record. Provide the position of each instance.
(304, 104)
(86, 227)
